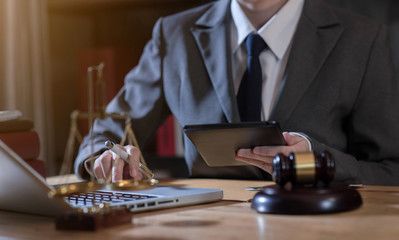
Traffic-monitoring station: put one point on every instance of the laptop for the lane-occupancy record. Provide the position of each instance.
(24, 190)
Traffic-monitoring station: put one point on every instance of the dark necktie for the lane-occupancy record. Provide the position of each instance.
(249, 93)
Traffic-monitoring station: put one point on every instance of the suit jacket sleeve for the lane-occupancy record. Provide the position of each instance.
(372, 128)
(147, 111)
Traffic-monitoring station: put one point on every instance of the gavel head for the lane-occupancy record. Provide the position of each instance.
(304, 168)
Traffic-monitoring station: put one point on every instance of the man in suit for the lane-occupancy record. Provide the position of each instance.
(327, 79)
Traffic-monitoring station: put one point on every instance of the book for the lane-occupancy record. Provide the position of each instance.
(169, 139)
(16, 125)
(38, 166)
(18, 134)
(26, 144)
(166, 138)
(9, 115)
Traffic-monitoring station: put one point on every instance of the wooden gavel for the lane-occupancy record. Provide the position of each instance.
(297, 191)
(304, 168)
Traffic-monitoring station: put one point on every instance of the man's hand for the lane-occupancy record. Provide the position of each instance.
(262, 157)
(110, 163)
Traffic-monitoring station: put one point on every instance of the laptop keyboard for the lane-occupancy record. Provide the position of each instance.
(94, 198)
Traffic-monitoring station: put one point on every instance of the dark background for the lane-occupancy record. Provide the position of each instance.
(76, 26)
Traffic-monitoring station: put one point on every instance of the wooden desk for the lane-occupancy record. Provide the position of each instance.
(231, 218)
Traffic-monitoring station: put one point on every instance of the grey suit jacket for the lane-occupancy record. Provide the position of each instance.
(340, 90)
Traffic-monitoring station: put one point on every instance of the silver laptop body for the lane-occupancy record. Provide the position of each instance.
(24, 190)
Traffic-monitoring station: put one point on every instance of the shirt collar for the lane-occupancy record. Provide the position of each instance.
(277, 32)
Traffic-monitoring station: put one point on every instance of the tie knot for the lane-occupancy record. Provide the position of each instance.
(255, 44)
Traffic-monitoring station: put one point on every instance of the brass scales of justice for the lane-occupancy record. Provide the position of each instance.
(96, 89)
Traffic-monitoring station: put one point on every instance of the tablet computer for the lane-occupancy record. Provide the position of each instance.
(218, 143)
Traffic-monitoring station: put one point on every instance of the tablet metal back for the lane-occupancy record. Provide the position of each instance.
(218, 143)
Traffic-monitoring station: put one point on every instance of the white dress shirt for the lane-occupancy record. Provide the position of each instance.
(278, 33)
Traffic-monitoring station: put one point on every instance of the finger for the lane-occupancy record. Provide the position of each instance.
(298, 142)
(287, 138)
(292, 139)
(294, 144)
(248, 156)
(134, 162)
(126, 172)
(261, 151)
(251, 154)
(97, 170)
(101, 165)
(106, 163)
(245, 152)
(117, 169)
(265, 164)
(270, 151)
(121, 153)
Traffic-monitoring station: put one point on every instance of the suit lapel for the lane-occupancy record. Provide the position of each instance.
(316, 35)
(212, 35)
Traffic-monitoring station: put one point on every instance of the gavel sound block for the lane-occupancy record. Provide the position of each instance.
(298, 189)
